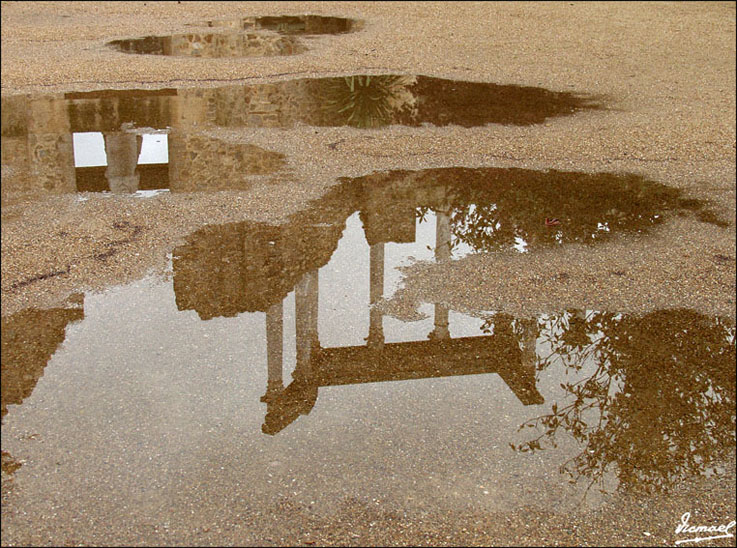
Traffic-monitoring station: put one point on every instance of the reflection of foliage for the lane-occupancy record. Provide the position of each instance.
(368, 101)
(660, 404)
(492, 210)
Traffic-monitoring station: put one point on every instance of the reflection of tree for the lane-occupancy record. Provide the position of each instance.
(660, 405)
(368, 101)
(490, 209)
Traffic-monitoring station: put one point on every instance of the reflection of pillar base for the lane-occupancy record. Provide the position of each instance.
(440, 332)
(124, 184)
(375, 339)
(273, 391)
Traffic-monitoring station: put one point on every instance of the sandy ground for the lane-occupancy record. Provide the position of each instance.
(665, 72)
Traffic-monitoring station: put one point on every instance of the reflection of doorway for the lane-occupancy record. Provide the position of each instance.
(121, 162)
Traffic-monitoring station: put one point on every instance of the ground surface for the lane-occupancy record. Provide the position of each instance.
(664, 71)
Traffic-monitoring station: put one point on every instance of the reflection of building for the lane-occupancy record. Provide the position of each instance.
(37, 143)
(226, 270)
(37, 130)
(29, 339)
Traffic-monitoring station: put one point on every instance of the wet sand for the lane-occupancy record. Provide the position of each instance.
(665, 74)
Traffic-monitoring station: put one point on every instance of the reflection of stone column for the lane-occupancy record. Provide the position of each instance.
(274, 348)
(50, 146)
(376, 292)
(305, 308)
(122, 151)
(442, 253)
(442, 235)
(529, 343)
(441, 330)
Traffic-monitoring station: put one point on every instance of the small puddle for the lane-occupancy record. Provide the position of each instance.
(141, 140)
(244, 37)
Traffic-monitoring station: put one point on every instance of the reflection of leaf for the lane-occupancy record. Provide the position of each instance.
(368, 101)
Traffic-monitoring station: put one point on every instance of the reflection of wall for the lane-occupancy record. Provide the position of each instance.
(229, 45)
(228, 269)
(29, 339)
(50, 149)
(200, 163)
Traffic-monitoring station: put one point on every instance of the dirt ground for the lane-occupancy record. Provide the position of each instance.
(665, 73)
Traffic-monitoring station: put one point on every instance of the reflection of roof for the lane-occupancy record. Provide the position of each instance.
(498, 353)
(428, 359)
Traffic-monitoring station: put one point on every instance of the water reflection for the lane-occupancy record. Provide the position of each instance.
(29, 339)
(650, 397)
(243, 37)
(38, 131)
(438, 213)
(211, 45)
(291, 24)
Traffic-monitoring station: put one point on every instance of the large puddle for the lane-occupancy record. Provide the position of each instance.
(263, 373)
(243, 37)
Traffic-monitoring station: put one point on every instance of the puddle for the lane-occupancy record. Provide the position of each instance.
(51, 138)
(210, 45)
(288, 383)
(244, 37)
(437, 214)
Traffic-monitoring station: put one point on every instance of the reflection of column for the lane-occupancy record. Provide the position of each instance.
(442, 253)
(442, 235)
(274, 347)
(376, 292)
(529, 342)
(305, 308)
(50, 147)
(441, 330)
(122, 151)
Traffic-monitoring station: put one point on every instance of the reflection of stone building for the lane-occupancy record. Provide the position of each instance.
(37, 131)
(211, 45)
(37, 143)
(248, 267)
(29, 339)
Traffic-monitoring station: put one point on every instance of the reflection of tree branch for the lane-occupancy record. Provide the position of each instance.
(675, 413)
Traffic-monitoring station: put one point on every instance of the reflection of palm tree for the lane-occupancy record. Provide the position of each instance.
(658, 408)
(368, 101)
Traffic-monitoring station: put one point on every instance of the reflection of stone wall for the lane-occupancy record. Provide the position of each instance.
(29, 339)
(230, 45)
(246, 267)
(224, 270)
(201, 163)
(14, 116)
(50, 148)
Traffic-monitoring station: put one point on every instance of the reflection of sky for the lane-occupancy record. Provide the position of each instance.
(343, 317)
(89, 149)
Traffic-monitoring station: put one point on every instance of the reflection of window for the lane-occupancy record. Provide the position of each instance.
(89, 149)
